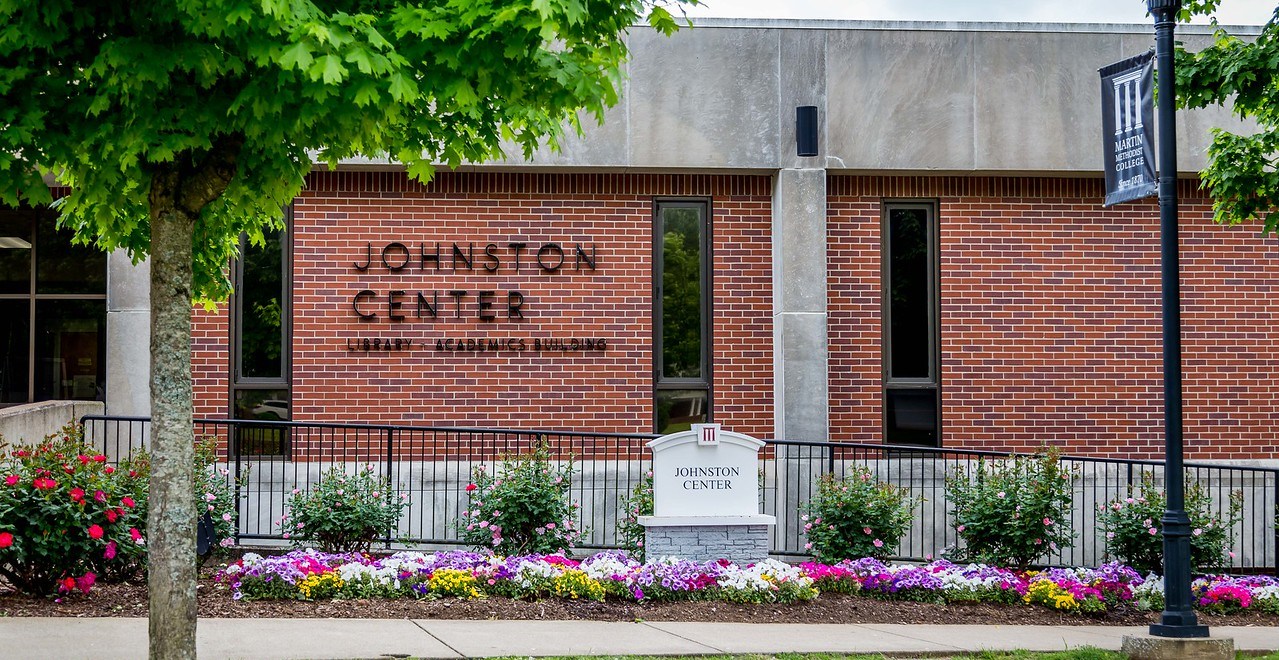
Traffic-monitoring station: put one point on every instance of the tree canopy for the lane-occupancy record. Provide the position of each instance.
(232, 99)
(1242, 174)
(175, 126)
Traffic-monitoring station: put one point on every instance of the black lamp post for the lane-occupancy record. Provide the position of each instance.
(1178, 618)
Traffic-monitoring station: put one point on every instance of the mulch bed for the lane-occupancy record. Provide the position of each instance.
(130, 600)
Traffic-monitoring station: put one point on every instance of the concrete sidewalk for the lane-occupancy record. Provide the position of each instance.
(271, 639)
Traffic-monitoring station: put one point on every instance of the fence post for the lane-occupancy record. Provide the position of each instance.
(390, 456)
(233, 447)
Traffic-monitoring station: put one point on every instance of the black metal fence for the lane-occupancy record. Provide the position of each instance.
(433, 466)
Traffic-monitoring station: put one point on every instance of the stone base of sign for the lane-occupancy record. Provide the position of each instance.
(1149, 647)
(740, 539)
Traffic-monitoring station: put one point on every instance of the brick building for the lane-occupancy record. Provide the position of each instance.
(941, 273)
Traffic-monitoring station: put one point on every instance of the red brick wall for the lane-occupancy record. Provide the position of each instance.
(339, 213)
(1050, 319)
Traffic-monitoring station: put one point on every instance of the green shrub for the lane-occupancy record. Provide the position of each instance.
(1134, 529)
(856, 517)
(630, 534)
(67, 518)
(1011, 512)
(343, 512)
(523, 507)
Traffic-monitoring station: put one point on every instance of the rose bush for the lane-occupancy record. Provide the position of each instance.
(1011, 512)
(67, 517)
(344, 512)
(855, 516)
(630, 534)
(1134, 529)
(522, 507)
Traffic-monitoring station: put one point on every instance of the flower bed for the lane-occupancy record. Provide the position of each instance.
(312, 575)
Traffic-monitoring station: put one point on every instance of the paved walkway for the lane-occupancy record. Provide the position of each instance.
(271, 639)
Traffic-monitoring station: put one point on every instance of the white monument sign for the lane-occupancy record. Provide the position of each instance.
(706, 497)
(705, 471)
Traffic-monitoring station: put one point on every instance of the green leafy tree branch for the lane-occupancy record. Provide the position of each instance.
(172, 127)
(1242, 174)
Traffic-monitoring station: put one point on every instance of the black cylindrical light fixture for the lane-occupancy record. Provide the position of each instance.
(806, 130)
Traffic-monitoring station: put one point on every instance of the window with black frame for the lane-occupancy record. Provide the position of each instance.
(681, 256)
(261, 331)
(910, 334)
(53, 311)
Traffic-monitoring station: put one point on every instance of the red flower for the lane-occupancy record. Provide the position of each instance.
(111, 516)
(471, 487)
(84, 460)
(109, 470)
(68, 469)
(6, 539)
(99, 459)
(133, 473)
(127, 501)
(135, 534)
(95, 532)
(43, 483)
(77, 495)
(67, 584)
(85, 583)
(11, 480)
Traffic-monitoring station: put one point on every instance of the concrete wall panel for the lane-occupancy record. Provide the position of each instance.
(704, 98)
(900, 100)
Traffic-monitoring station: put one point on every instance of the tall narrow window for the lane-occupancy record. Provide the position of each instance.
(681, 257)
(260, 384)
(53, 311)
(910, 335)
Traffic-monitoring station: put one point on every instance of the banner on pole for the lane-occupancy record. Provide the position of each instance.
(1128, 122)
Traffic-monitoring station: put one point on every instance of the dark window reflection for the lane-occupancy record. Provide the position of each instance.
(268, 405)
(62, 267)
(912, 417)
(15, 260)
(909, 305)
(15, 332)
(678, 410)
(261, 312)
(70, 349)
(682, 293)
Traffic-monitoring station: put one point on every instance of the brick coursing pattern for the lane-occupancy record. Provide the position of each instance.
(340, 213)
(1050, 318)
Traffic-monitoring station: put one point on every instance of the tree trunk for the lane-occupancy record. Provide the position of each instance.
(171, 522)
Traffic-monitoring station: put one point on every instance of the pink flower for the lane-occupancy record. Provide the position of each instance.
(99, 496)
(1153, 531)
(1198, 531)
(961, 528)
(109, 553)
(550, 525)
(484, 523)
(1048, 522)
(209, 497)
(286, 535)
(878, 543)
(226, 517)
(95, 532)
(866, 530)
(11, 480)
(1000, 494)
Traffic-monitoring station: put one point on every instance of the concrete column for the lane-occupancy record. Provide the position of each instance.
(799, 305)
(128, 336)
